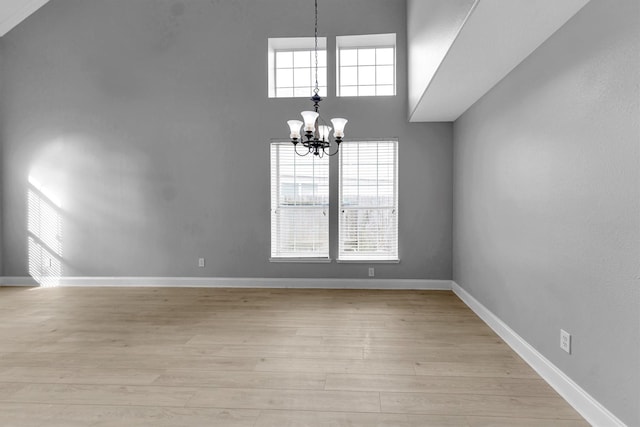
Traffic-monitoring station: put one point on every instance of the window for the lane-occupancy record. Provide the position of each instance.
(366, 65)
(292, 67)
(368, 211)
(299, 204)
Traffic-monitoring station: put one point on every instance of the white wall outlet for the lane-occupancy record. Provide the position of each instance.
(200, 262)
(372, 272)
(565, 341)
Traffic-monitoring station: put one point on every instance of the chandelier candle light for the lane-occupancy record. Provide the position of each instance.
(316, 137)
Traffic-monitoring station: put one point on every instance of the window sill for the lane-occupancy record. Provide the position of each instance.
(368, 261)
(365, 96)
(305, 97)
(301, 260)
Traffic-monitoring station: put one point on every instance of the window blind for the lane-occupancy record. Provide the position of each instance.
(368, 220)
(299, 204)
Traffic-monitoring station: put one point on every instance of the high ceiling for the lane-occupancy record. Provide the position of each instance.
(458, 49)
(13, 12)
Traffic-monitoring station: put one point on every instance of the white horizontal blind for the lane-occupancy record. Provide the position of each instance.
(368, 200)
(299, 204)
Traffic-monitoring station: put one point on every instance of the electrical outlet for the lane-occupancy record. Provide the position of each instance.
(372, 272)
(200, 262)
(565, 341)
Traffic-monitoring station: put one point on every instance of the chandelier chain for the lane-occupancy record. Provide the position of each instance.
(316, 89)
(316, 137)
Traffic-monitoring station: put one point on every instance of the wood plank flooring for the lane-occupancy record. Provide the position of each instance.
(260, 358)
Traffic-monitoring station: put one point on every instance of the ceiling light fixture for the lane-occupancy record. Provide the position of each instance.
(317, 134)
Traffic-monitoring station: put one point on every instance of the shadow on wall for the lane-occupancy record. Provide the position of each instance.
(44, 235)
(104, 196)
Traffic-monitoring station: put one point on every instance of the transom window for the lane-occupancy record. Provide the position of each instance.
(295, 73)
(292, 67)
(366, 65)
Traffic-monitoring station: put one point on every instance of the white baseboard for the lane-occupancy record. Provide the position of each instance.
(587, 406)
(238, 282)
(17, 281)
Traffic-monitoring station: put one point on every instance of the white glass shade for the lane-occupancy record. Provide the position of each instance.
(294, 127)
(338, 127)
(309, 120)
(324, 132)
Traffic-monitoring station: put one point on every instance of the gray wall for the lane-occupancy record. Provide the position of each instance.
(149, 121)
(547, 201)
(1, 149)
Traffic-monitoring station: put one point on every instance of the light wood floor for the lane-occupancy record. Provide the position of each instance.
(248, 357)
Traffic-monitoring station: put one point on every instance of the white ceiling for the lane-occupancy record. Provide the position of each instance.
(492, 37)
(13, 12)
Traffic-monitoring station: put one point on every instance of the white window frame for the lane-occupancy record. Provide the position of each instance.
(293, 44)
(368, 41)
(319, 210)
(344, 255)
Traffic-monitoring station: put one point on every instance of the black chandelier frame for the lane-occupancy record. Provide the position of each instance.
(315, 141)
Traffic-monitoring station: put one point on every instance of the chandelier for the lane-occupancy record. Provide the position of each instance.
(317, 134)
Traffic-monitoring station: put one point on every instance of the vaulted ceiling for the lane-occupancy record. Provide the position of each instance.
(13, 12)
(458, 49)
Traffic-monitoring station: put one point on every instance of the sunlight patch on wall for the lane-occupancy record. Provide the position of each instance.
(44, 235)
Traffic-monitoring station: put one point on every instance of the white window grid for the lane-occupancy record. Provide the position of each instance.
(295, 73)
(368, 76)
